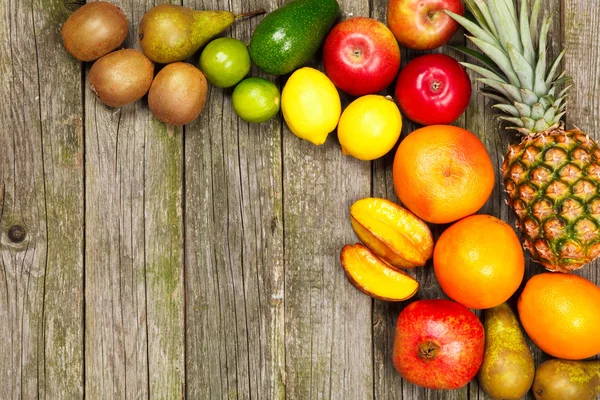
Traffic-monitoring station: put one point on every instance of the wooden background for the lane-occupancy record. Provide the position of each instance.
(201, 262)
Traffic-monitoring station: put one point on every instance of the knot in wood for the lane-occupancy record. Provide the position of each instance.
(17, 234)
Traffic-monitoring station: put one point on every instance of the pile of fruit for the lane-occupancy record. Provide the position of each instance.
(442, 173)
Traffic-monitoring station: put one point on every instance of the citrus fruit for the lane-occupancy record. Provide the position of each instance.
(311, 105)
(369, 127)
(442, 173)
(479, 262)
(561, 314)
(256, 100)
(225, 62)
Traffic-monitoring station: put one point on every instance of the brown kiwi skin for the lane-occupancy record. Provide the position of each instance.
(178, 93)
(121, 77)
(82, 37)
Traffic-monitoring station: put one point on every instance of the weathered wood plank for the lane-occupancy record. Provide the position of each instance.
(164, 246)
(22, 171)
(234, 244)
(164, 261)
(116, 331)
(327, 321)
(40, 267)
(134, 248)
(62, 139)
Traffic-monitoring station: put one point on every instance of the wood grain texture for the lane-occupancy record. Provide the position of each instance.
(24, 264)
(234, 244)
(134, 248)
(327, 321)
(42, 180)
(61, 113)
(163, 245)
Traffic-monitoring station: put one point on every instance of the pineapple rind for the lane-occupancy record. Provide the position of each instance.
(560, 239)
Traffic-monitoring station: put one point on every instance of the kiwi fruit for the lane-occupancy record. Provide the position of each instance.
(178, 93)
(94, 30)
(121, 77)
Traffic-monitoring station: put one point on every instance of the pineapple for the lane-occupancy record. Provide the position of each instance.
(552, 176)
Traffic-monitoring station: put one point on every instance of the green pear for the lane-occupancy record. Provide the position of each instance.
(170, 33)
(564, 380)
(508, 368)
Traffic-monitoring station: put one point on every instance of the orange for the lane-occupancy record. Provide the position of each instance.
(479, 261)
(561, 314)
(442, 173)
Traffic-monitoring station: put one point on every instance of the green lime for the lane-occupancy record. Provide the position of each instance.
(256, 100)
(225, 62)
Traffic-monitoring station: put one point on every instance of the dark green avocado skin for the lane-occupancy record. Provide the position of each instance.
(289, 36)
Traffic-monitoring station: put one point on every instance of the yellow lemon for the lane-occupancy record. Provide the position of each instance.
(369, 127)
(311, 105)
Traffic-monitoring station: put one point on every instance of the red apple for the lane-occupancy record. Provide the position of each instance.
(361, 56)
(433, 89)
(423, 24)
(438, 344)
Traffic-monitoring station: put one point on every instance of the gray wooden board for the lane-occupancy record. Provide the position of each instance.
(234, 244)
(41, 171)
(202, 262)
(134, 248)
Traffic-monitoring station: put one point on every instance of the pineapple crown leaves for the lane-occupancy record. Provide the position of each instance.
(514, 58)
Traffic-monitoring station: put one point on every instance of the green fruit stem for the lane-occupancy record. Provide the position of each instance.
(250, 14)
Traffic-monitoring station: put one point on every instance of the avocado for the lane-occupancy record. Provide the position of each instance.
(289, 36)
